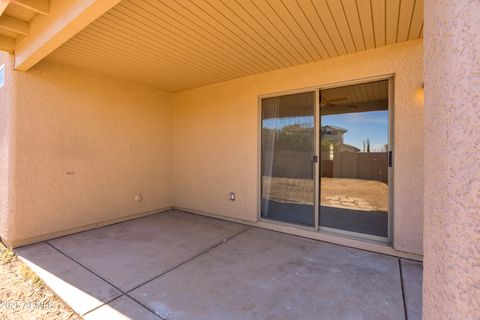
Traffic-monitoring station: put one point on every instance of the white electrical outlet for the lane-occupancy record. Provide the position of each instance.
(138, 197)
(231, 196)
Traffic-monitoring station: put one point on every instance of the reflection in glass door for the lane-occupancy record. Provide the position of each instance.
(354, 152)
(287, 167)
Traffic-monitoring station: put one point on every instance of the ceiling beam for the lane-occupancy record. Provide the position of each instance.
(38, 6)
(3, 6)
(7, 44)
(13, 24)
(47, 33)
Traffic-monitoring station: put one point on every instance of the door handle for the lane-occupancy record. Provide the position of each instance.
(315, 159)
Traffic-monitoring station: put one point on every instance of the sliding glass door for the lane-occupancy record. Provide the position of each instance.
(354, 152)
(346, 190)
(288, 149)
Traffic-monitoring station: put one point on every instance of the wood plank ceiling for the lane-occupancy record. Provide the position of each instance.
(178, 44)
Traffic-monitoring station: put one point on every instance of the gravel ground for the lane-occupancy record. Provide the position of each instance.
(24, 296)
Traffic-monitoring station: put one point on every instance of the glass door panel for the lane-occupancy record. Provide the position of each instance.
(288, 148)
(354, 153)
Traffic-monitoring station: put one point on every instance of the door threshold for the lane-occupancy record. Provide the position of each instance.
(322, 235)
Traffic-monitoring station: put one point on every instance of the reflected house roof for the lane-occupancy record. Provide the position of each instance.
(332, 134)
(330, 128)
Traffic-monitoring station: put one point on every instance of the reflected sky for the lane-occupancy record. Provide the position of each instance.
(361, 126)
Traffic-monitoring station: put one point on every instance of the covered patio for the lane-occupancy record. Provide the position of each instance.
(244, 159)
(175, 265)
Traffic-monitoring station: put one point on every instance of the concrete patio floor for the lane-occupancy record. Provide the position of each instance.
(177, 265)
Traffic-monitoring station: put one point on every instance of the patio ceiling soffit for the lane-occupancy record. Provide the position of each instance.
(34, 28)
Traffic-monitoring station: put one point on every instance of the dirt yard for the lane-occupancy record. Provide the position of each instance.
(367, 195)
(358, 194)
(24, 296)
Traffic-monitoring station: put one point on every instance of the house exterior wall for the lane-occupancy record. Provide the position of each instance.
(85, 146)
(216, 136)
(451, 287)
(6, 115)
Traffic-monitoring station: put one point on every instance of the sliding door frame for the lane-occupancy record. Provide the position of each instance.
(316, 170)
(259, 159)
(317, 122)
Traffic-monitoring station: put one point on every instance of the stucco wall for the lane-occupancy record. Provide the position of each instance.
(215, 135)
(86, 144)
(6, 102)
(452, 152)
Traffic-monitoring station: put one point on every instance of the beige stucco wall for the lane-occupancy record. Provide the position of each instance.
(452, 152)
(85, 145)
(215, 135)
(6, 114)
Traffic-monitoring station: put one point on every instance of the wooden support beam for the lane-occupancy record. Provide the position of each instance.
(38, 6)
(7, 44)
(13, 24)
(47, 33)
(3, 6)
